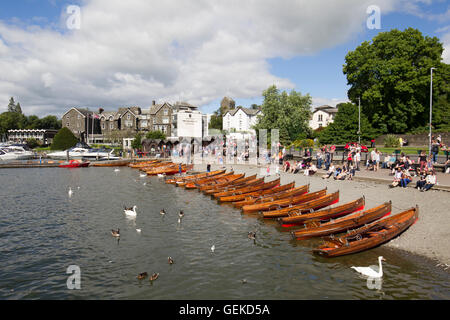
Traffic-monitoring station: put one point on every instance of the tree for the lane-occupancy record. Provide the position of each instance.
(64, 139)
(289, 113)
(344, 128)
(11, 105)
(156, 135)
(49, 122)
(391, 75)
(137, 142)
(216, 121)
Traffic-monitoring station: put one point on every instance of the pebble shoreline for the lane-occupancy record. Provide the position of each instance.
(428, 237)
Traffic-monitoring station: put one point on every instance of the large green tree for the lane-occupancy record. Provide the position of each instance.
(391, 75)
(287, 112)
(344, 128)
(63, 140)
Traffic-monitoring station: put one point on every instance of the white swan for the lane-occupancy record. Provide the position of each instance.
(142, 175)
(213, 248)
(371, 272)
(138, 230)
(116, 170)
(70, 192)
(161, 175)
(129, 212)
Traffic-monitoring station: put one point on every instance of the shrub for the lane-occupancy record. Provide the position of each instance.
(391, 141)
(63, 140)
(33, 143)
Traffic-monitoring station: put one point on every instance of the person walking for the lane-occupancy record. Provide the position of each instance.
(357, 159)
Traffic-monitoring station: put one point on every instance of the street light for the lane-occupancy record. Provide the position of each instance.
(431, 108)
(359, 120)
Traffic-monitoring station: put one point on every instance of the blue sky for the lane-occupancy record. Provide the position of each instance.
(318, 73)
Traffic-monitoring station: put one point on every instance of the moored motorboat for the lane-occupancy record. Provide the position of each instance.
(311, 205)
(316, 229)
(369, 236)
(325, 214)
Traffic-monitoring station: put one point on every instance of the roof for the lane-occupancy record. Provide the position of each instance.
(326, 108)
(155, 107)
(247, 111)
(84, 112)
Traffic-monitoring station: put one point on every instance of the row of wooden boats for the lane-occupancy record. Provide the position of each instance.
(159, 167)
(345, 228)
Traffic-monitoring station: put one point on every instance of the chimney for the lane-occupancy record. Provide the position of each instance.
(153, 102)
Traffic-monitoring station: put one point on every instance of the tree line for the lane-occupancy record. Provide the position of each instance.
(13, 118)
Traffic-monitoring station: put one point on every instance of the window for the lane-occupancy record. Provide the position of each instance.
(154, 120)
(320, 125)
(320, 117)
(165, 120)
(78, 117)
(111, 125)
(144, 124)
(166, 112)
(103, 125)
(128, 116)
(67, 124)
(78, 124)
(128, 123)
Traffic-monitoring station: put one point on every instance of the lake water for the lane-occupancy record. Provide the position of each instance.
(43, 231)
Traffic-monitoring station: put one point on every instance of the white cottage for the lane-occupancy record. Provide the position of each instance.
(240, 119)
(322, 116)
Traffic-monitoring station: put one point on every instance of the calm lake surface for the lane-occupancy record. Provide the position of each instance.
(43, 231)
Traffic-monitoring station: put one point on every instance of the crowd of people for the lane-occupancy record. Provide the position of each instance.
(401, 167)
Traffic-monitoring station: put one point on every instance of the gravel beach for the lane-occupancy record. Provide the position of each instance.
(429, 236)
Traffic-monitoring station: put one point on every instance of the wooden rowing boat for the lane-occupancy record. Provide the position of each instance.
(142, 163)
(253, 182)
(210, 189)
(286, 202)
(325, 214)
(369, 236)
(247, 189)
(310, 206)
(194, 176)
(204, 181)
(169, 170)
(111, 163)
(254, 197)
(222, 181)
(316, 229)
(268, 197)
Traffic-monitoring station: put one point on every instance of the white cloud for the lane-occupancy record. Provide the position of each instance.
(133, 52)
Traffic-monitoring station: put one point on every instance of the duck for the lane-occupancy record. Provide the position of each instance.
(170, 260)
(162, 212)
(181, 214)
(371, 272)
(130, 211)
(252, 235)
(115, 233)
(142, 275)
(154, 276)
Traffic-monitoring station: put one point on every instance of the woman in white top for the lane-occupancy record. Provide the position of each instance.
(430, 181)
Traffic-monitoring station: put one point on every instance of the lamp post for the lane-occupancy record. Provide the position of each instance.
(431, 107)
(359, 120)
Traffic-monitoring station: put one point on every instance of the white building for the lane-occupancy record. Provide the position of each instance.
(240, 119)
(187, 121)
(322, 116)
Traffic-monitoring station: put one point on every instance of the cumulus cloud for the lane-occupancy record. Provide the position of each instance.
(133, 52)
